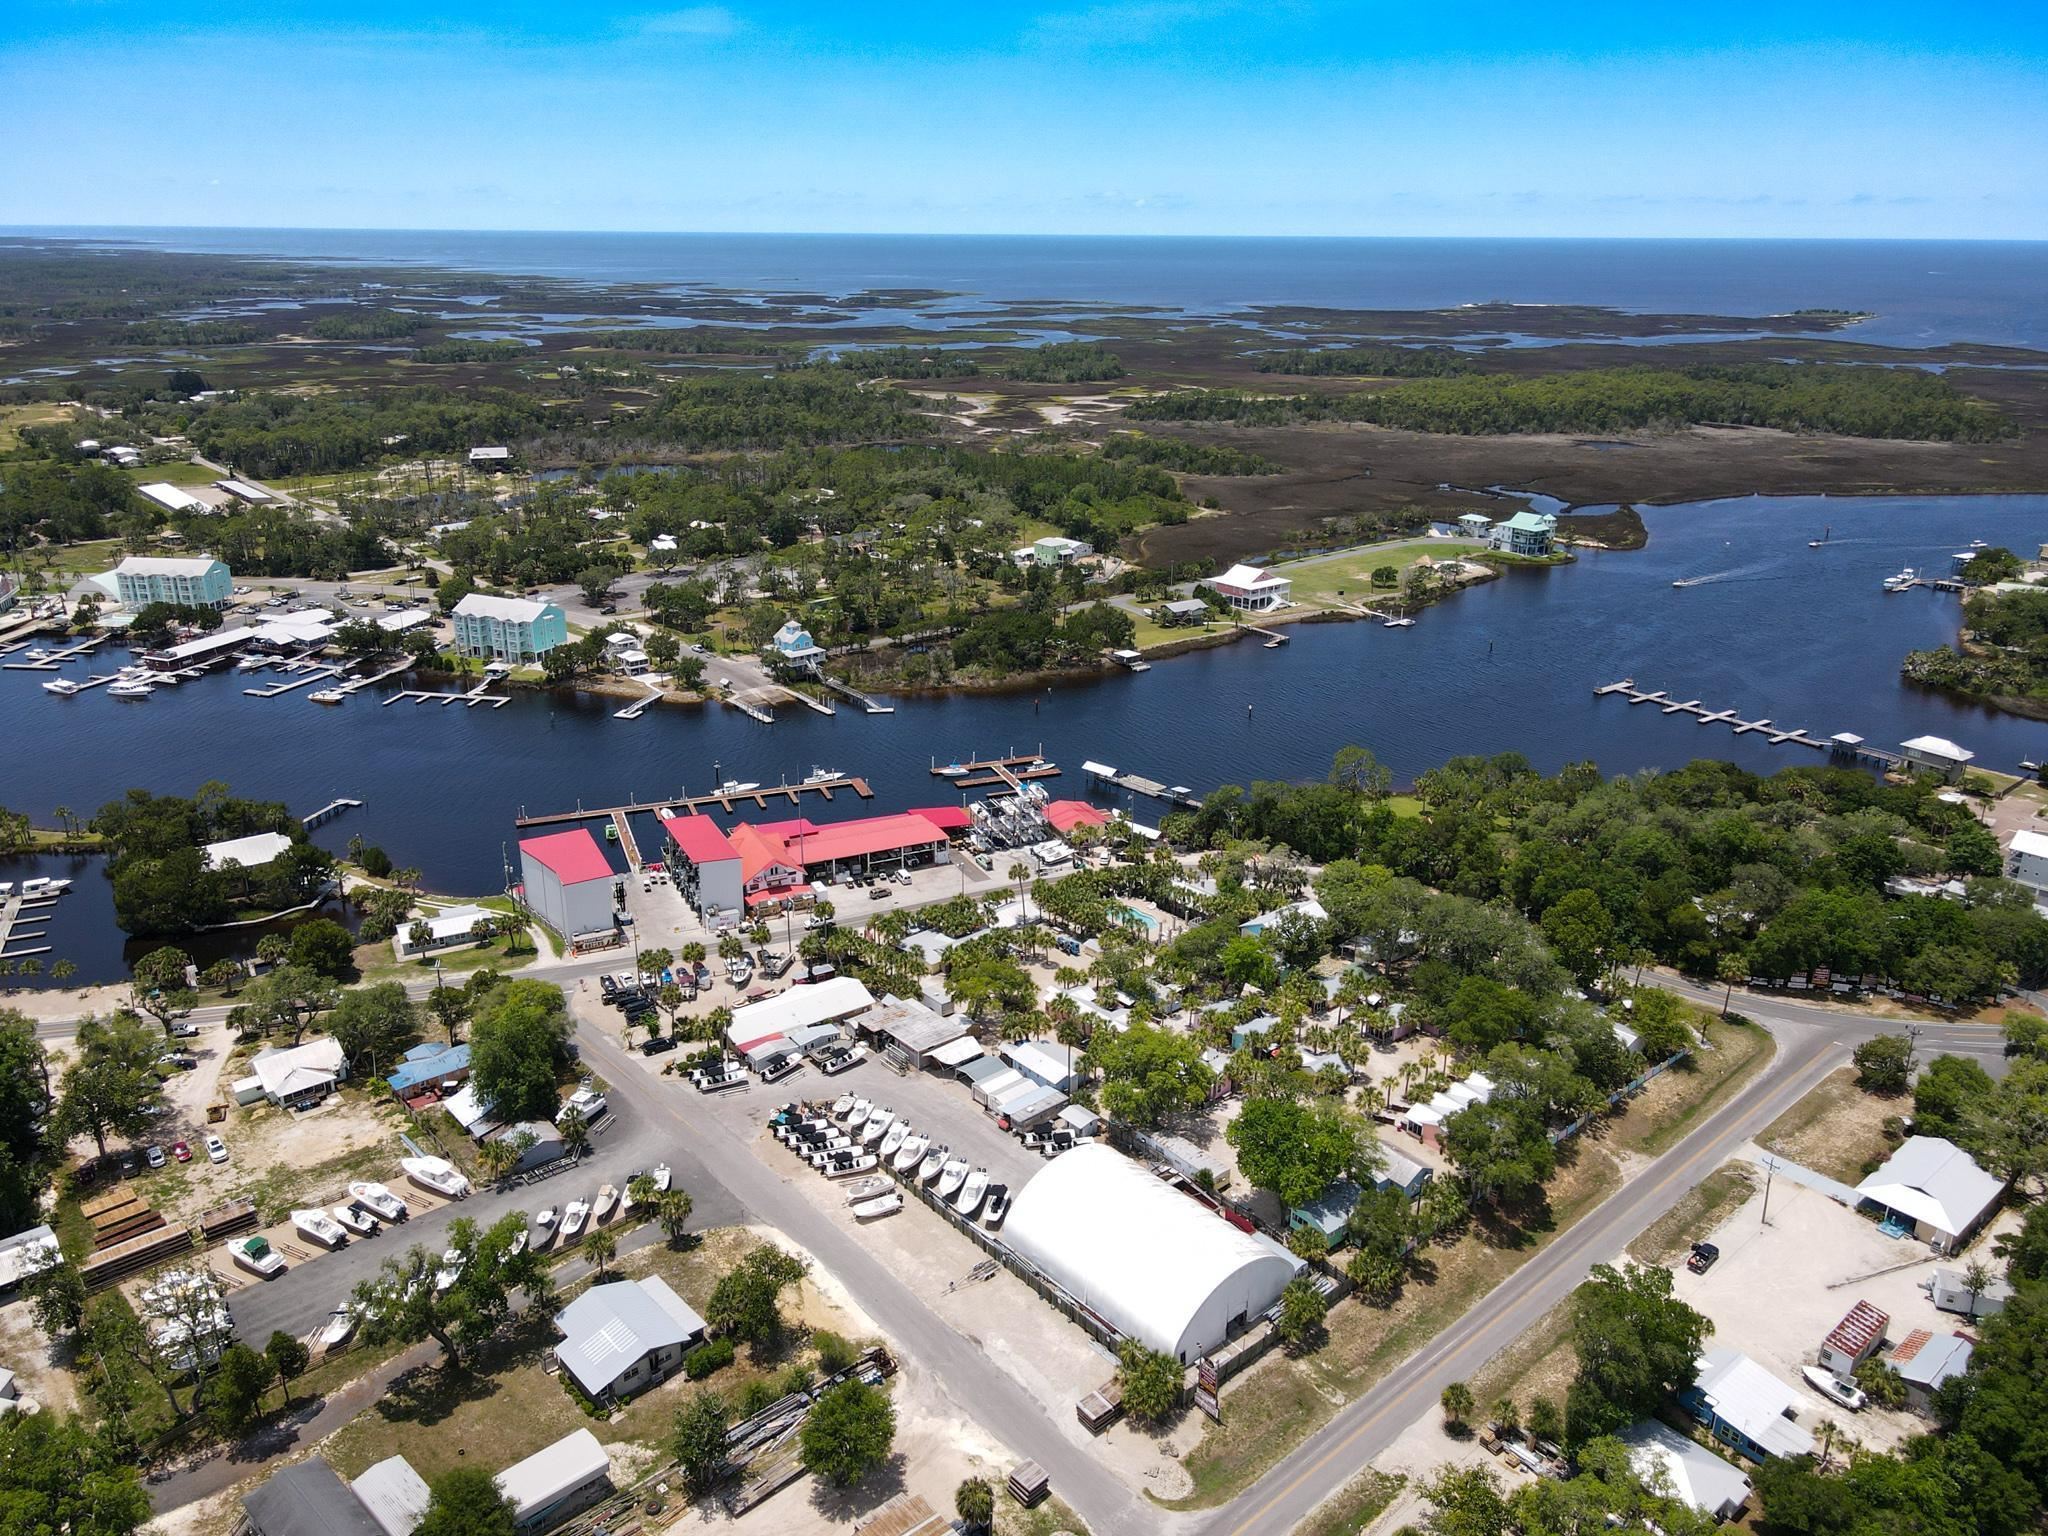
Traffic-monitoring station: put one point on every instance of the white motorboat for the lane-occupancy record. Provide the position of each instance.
(62, 686)
(912, 1152)
(952, 771)
(129, 689)
(893, 1142)
(997, 1206)
(842, 1106)
(951, 1177)
(1830, 1386)
(379, 1201)
(573, 1216)
(1902, 581)
(436, 1174)
(518, 1244)
(39, 654)
(340, 1327)
(865, 1163)
(933, 1165)
(6, 889)
(737, 786)
(661, 1178)
(257, 1256)
(867, 1189)
(56, 887)
(357, 1220)
(877, 1128)
(319, 1227)
(858, 1115)
(1399, 624)
(545, 1221)
(882, 1205)
(607, 1197)
(971, 1193)
(823, 776)
(450, 1270)
(328, 696)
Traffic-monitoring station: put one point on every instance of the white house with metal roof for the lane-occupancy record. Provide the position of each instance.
(626, 1336)
(296, 1076)
(1936, 1187)
(1152, 1263)
(1694, 1475)
(252, 852)
(1250, 589)
(1745, 1406)
(1936, 755)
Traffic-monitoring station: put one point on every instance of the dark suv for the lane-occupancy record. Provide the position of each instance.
(1703, 1257)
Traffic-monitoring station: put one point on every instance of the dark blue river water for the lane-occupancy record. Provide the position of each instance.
(1802, 636)
(1919, 292)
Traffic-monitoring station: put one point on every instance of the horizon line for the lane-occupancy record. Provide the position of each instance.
(60, 231)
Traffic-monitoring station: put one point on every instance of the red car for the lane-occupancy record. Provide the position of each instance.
(181, 1152)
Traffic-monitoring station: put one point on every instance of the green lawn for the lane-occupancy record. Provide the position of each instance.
(1347, 577)
(14, 417)
(1150, 632)
(180, 472)
(82, 559)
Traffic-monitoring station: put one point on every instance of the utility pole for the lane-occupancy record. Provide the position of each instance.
(1770, 1168)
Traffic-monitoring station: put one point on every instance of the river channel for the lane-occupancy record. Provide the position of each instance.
(1765, 626)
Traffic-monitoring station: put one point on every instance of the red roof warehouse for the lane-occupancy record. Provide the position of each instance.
(568, 882)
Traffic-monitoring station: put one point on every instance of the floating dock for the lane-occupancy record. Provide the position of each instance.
(1011, 772)
(468, 700)
(290, 683)
(698, 804)
(55, 659)
(1772, 732)
(358, 684)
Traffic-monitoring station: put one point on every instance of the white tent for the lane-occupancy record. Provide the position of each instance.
(1157, 1266)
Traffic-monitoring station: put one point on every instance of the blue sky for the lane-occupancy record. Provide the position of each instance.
(1891, 118)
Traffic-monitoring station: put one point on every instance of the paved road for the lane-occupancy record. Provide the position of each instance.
(1368, 1427)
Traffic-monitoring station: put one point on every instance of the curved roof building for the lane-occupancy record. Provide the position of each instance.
(1158, 1266)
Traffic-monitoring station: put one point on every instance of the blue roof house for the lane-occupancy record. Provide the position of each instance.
(429, 1067)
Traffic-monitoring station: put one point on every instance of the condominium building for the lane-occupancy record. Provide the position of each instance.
(198, 581)
(508, 628)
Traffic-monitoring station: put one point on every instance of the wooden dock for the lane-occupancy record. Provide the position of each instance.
(681, 804)
(1138, 784)
(858, 697)
(623, 826)
(328, 812)
(1772, 732)
(16, 910)
(1012, 771)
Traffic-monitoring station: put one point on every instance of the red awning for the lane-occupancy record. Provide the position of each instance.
(780, 893)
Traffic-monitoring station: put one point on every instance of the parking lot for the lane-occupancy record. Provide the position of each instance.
(1777, 1291)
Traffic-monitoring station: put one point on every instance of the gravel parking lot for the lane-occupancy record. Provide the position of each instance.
(1778, 1290)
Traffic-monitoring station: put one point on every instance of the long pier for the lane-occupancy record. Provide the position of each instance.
(1771, 731)
(698, 804)
(56, 659)
(468, 700)
(290, 683)
(1138, 784)
(18, 909)
(328, 812)
(358, 684)
(623, 826)
(858, 697)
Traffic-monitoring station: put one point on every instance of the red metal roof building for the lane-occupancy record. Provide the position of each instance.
(707, 867)
(568, 882)
(1065, 815)
(1854, 1339)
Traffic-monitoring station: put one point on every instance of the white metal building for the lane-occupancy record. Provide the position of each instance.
(1938, 1187)
(1157, 1266)
(824, 1002)
(555, 1482)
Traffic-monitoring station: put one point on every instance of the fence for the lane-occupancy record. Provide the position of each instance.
(1627, 1090)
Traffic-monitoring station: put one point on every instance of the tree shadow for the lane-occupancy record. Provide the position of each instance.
(1515, 1227)
(846, 1505)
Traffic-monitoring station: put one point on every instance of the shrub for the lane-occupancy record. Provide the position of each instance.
(834, 1353)
(706, 1358)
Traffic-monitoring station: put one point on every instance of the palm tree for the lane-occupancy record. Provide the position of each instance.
(64, 818)
(1020, 872)
(575, 1132)
(672, 1213)
(1728, 970)
(63, 970)
(496, 1157)
(601, 1247)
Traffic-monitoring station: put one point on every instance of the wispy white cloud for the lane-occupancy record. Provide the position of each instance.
(1122, 23)
(697, 21)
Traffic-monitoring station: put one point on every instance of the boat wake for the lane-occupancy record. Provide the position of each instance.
(1737, 574)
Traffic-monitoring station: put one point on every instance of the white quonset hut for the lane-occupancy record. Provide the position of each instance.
(1157, 1266)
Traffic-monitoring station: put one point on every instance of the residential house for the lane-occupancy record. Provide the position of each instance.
(1747, 1408)
(449, 928)
(794, 647)
(623, 1337)
(1329, 1213)
(1476, 526)
(294, 1077)
(1696, 1477)
(429, 1068)
(1398, 1170)
(1251, 590)
(1526, 533)
(1936, 755)
(257, 851)
(1950, 1291)
(394, 1494)
(307, 1499)
(1055, 550)
(197, 581)
(492, 457)
(26, 1253)
(1308, 908)
(508, 629)
(2026, 860)
(1183, 610)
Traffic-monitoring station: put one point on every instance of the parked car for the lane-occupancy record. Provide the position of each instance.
(880, 893)
(216, 1150)
(181, 1151)
(155, 1156)
(1703, 1258)
(182, 1061)
(656, 1045)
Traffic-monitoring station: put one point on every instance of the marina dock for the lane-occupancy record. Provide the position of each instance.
(1138, 784)
(697, 804)
(302, 680)
(623, 827)
(754, 711)
(55, 659)
(358, 684)
(328, 812)
(1010, 772)
(469, 700)
(16, 910)
(638, 707)
(1771, 731)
